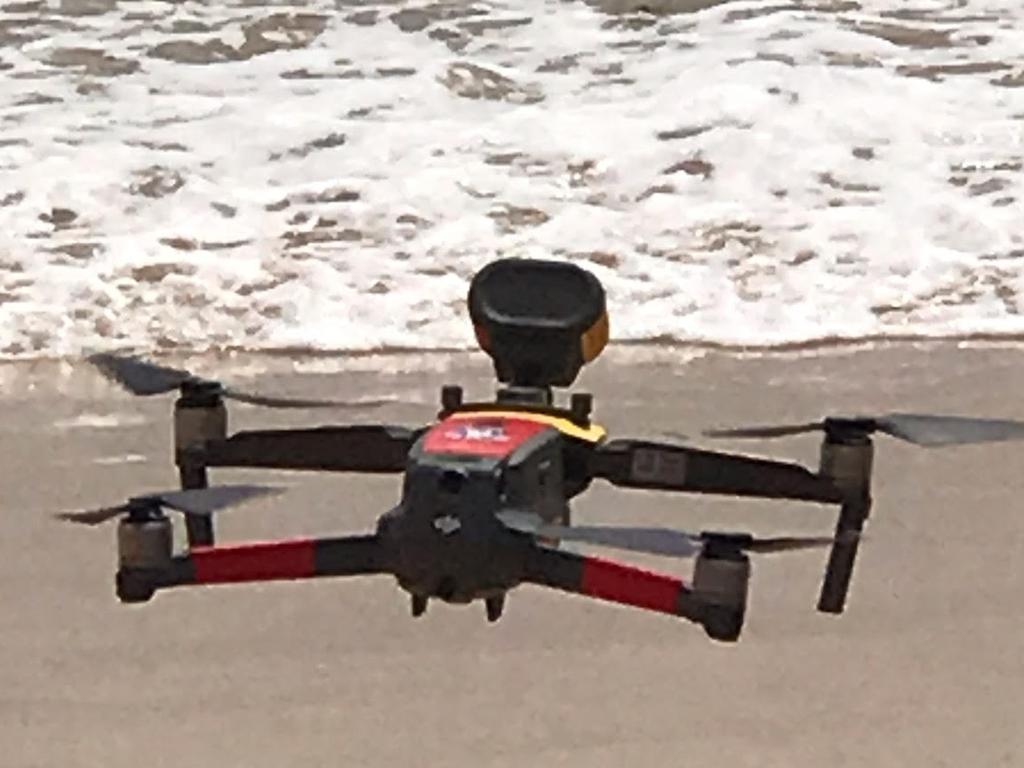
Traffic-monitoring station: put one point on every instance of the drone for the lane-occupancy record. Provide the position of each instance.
(487, 487)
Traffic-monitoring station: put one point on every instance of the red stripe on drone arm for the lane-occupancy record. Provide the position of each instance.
(262, 561)
(620, 583)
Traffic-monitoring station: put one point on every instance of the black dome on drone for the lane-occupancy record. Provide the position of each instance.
(540, 321)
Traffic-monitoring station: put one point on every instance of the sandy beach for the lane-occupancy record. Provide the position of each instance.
(924, 669)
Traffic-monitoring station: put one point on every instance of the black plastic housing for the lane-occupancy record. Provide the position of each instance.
(533, 318)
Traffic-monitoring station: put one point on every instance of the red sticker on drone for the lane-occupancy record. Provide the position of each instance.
(481, 435)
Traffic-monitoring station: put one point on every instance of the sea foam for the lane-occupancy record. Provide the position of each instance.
(328, 176)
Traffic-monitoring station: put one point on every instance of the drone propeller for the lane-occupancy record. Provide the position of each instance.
(198, 501)
(657, 541)
(142, 377)
(921, 429)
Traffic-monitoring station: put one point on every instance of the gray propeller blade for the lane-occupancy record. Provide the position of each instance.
(198, 501)
(679, 437)
(789, 543)
(291, 402)
(924, 429)
(142, 377)
(653, 541)
(524, 522)
(781, 430)
(92, 516)
(206, 501)
(920, 429)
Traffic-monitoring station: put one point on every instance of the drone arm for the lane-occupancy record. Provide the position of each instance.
(657, 466)
(360, 448)
(612, 581)
(289, 559)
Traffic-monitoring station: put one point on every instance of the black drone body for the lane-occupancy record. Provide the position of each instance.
(487, 487)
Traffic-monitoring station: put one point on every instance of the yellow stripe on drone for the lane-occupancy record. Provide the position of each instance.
(591, 434)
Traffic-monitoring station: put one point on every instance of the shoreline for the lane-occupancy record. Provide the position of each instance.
(415, 377)
(653, 349)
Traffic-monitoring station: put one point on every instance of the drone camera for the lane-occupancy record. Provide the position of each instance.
(451, 481)
(533, 479)
(540, 321)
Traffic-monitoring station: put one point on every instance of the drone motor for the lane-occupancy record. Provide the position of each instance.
(721, 581)
(145, 540)
(199, 415)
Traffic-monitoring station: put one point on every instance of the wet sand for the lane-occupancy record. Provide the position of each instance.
(924, 669)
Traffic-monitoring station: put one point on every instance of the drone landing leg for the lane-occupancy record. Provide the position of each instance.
(419, 606)
(495, 606)
(839, 571)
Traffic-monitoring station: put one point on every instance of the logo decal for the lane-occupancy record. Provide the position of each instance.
(447, 524)
(481, 430)
(658, 466)
(474, 435)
